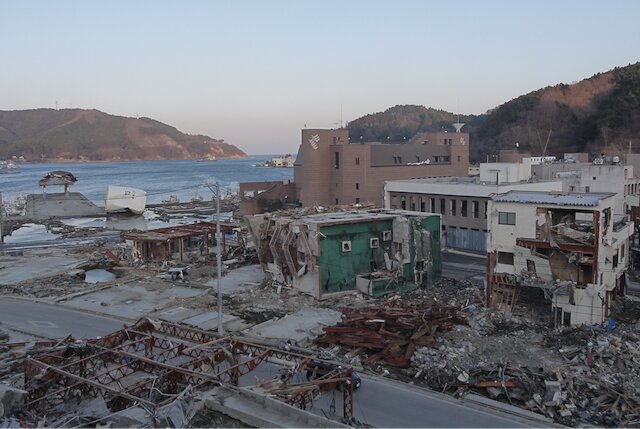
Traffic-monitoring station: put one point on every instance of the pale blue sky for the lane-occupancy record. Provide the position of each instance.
(254, 72)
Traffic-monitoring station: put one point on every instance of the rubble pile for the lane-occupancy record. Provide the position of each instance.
(576, 376)
(392, 330)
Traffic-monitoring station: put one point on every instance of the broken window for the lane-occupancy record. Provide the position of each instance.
(506, 218)
(505, 258)
(531, 266)
(566, 318)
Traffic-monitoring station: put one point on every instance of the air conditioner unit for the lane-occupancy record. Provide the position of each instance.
(346, 246)
(374, 243)
(386, 236)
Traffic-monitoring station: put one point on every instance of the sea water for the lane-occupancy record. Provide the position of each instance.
(159, 179)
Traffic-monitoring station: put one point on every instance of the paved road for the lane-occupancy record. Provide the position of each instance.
(53, 322)
(384, 403)
(462, 267)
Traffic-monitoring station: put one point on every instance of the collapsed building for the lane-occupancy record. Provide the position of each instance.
(376, 251)
(570, 245)
(147, 373)
(174, 242)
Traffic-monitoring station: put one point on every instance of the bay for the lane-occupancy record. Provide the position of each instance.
(159, 179)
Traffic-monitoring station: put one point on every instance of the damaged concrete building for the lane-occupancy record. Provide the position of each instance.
(570, 245)
(375, 252)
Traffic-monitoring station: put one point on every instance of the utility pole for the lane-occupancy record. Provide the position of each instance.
(218, 257)
(215, 188)
(1, 219)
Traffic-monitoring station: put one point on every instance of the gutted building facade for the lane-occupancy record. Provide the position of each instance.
(376, 252)
(331, 170)
(569, 245)
(177, 242)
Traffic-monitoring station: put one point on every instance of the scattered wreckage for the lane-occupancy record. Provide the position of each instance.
(153, 367)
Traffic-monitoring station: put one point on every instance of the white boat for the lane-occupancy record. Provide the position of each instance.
(121, 198)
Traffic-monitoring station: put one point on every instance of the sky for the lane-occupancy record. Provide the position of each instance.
(254, 73)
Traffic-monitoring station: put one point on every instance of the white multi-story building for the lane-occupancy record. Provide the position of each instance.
(568, 245)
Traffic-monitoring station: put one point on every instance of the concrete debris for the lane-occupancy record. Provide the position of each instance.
(11, 400)
(586, 376)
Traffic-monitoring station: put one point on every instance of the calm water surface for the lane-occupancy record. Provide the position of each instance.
(159, 178)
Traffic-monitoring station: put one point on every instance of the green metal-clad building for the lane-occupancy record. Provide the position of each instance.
(375, 251)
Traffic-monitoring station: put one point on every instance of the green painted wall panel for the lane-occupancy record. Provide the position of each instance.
(338, 269)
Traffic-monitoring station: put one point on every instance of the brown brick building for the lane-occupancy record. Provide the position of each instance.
(329, 170)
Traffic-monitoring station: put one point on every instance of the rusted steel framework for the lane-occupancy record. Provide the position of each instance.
(152, 362)
(393, 330)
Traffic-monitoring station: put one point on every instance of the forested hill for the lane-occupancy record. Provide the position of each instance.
(91, 135)
(598, 114)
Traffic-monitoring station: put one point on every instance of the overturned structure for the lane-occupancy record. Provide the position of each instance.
(570, 245)
(376, 251)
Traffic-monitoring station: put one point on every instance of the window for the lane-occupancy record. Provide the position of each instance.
(357, 186)
(463, 208)
(506, 218)
(423, 206)
(572, 188)
(442, 206)
(475, 209)
(399, 160)
(337, 201)
(458, 158)
(357, 161)
(337, 160)
(357, 200)
(622, 252)
(594, 177)
(403, 204)
(586, 189)
(433, 205)
(453, 205)
(485, 209)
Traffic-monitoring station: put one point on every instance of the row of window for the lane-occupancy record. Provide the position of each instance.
(466, 209)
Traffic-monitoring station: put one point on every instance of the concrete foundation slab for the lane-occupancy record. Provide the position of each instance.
(131, 302)
(301, 327)
(239, 280)
(174, 314)
(209, 320)
(16, 269)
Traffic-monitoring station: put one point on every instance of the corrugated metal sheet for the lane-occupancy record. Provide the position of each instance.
(560, 199)
(468, 239)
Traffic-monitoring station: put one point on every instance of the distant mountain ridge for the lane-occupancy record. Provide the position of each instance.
(598, 114)
(92, 135)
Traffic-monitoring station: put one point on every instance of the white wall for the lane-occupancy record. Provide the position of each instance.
(506, 172)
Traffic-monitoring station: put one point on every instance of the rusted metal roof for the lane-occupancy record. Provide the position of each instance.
(178, 231)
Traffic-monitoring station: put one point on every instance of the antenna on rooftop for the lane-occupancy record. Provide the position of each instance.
(458, 125)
